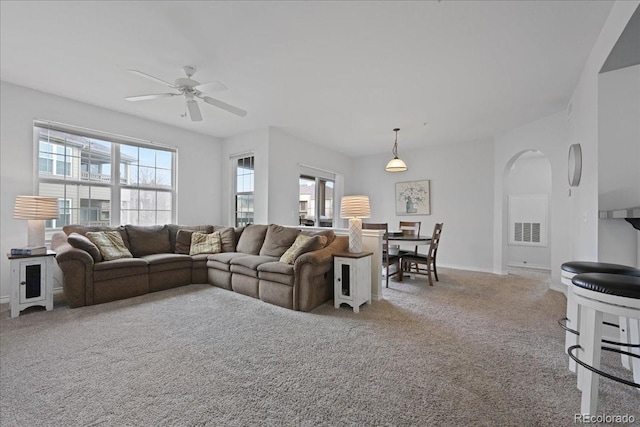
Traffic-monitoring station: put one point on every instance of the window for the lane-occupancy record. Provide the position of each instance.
(316, 200)
(243, 196)
(64, 215)
(54, 159)
(98, 177)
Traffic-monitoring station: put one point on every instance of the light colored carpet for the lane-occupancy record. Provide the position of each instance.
(474, 349)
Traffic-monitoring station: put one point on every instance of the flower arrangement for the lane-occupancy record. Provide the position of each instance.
(414, 193)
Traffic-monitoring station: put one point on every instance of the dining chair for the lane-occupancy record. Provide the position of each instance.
(428, 260)
(387, 259)
(410, 228)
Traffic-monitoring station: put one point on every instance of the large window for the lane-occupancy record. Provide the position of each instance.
(243, 195)
(102, 179)
(316, 201)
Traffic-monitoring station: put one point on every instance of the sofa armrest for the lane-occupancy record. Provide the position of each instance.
(77, 271)
(323, 256)
(313, 275)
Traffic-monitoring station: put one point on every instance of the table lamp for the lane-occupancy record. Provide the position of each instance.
(354, 208)
(35, 209)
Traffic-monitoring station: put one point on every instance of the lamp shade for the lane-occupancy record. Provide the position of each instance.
(396, 165)
(355, 207)
(35, 207)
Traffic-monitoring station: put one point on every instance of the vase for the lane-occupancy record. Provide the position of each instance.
(409, 207)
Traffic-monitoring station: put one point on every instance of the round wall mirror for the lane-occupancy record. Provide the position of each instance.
(575, 164)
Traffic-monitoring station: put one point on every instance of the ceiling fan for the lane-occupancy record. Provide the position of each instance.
(191, 90)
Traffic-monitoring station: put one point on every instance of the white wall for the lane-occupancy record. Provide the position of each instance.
(277, 159)
(618, 161)
(286, 153)
(461, 197)
(583, 129)
(198, 158)
(548, 135)
(529, 176)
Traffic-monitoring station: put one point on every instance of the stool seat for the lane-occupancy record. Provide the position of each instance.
(607, 283)
(578, 267)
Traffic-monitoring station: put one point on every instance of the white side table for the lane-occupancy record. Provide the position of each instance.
(352, 279)
(31, 281)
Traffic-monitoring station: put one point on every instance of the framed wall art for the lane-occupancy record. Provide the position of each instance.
(412, 198)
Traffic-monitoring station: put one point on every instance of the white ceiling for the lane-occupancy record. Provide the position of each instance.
(341, 74)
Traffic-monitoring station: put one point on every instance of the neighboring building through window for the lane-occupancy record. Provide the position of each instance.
(100, 179)
(244, 177)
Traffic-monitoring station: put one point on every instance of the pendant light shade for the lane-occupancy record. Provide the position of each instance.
(396, 164)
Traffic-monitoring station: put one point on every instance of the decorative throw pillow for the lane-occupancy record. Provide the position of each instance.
(79, 241)
(110, 244)
(290, 254)
(202, 243)
(302, 245)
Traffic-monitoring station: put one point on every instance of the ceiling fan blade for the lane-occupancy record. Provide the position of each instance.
(155, 79)
(211, 87)
(194, 110)
(148, 97)
(230, 108)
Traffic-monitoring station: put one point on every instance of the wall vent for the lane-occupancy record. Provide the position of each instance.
(526, 232)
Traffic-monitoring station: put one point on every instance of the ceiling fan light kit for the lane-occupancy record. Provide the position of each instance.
(190, 89)
(396, 164)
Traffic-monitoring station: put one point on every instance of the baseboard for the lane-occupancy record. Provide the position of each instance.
(466, 268)
(533, 266)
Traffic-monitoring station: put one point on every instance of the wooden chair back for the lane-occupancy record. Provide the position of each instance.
(410, 228)
(435, 241)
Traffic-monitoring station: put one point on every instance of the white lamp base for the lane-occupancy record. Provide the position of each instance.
(35, 232)
(355, 235)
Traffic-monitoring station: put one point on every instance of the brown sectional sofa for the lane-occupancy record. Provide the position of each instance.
(249, 264)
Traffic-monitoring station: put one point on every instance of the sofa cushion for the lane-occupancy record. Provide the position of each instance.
(154, 259)
(329, 234)
(222, 261)
(84, 229)
(228, 237)
(252, 262)
(202, 243)
(119, 268)
(277, 240)
(251, 239)
(110, 244)
(148, 239)
(276, 267)
(316, 243)
(167, 262)
(79, 241)
(173, 232)
(183, 242)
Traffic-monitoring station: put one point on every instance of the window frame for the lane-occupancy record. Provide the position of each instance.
(69, 184)
(321, 178)
(235, 193)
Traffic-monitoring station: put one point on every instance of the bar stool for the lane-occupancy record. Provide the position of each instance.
(569, 270)
(596, 294)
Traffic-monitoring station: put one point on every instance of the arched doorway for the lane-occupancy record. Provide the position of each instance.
(527, 189)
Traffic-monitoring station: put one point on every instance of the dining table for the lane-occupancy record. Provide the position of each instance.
(399, 237)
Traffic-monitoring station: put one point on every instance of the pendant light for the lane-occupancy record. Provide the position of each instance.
(396, 164)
